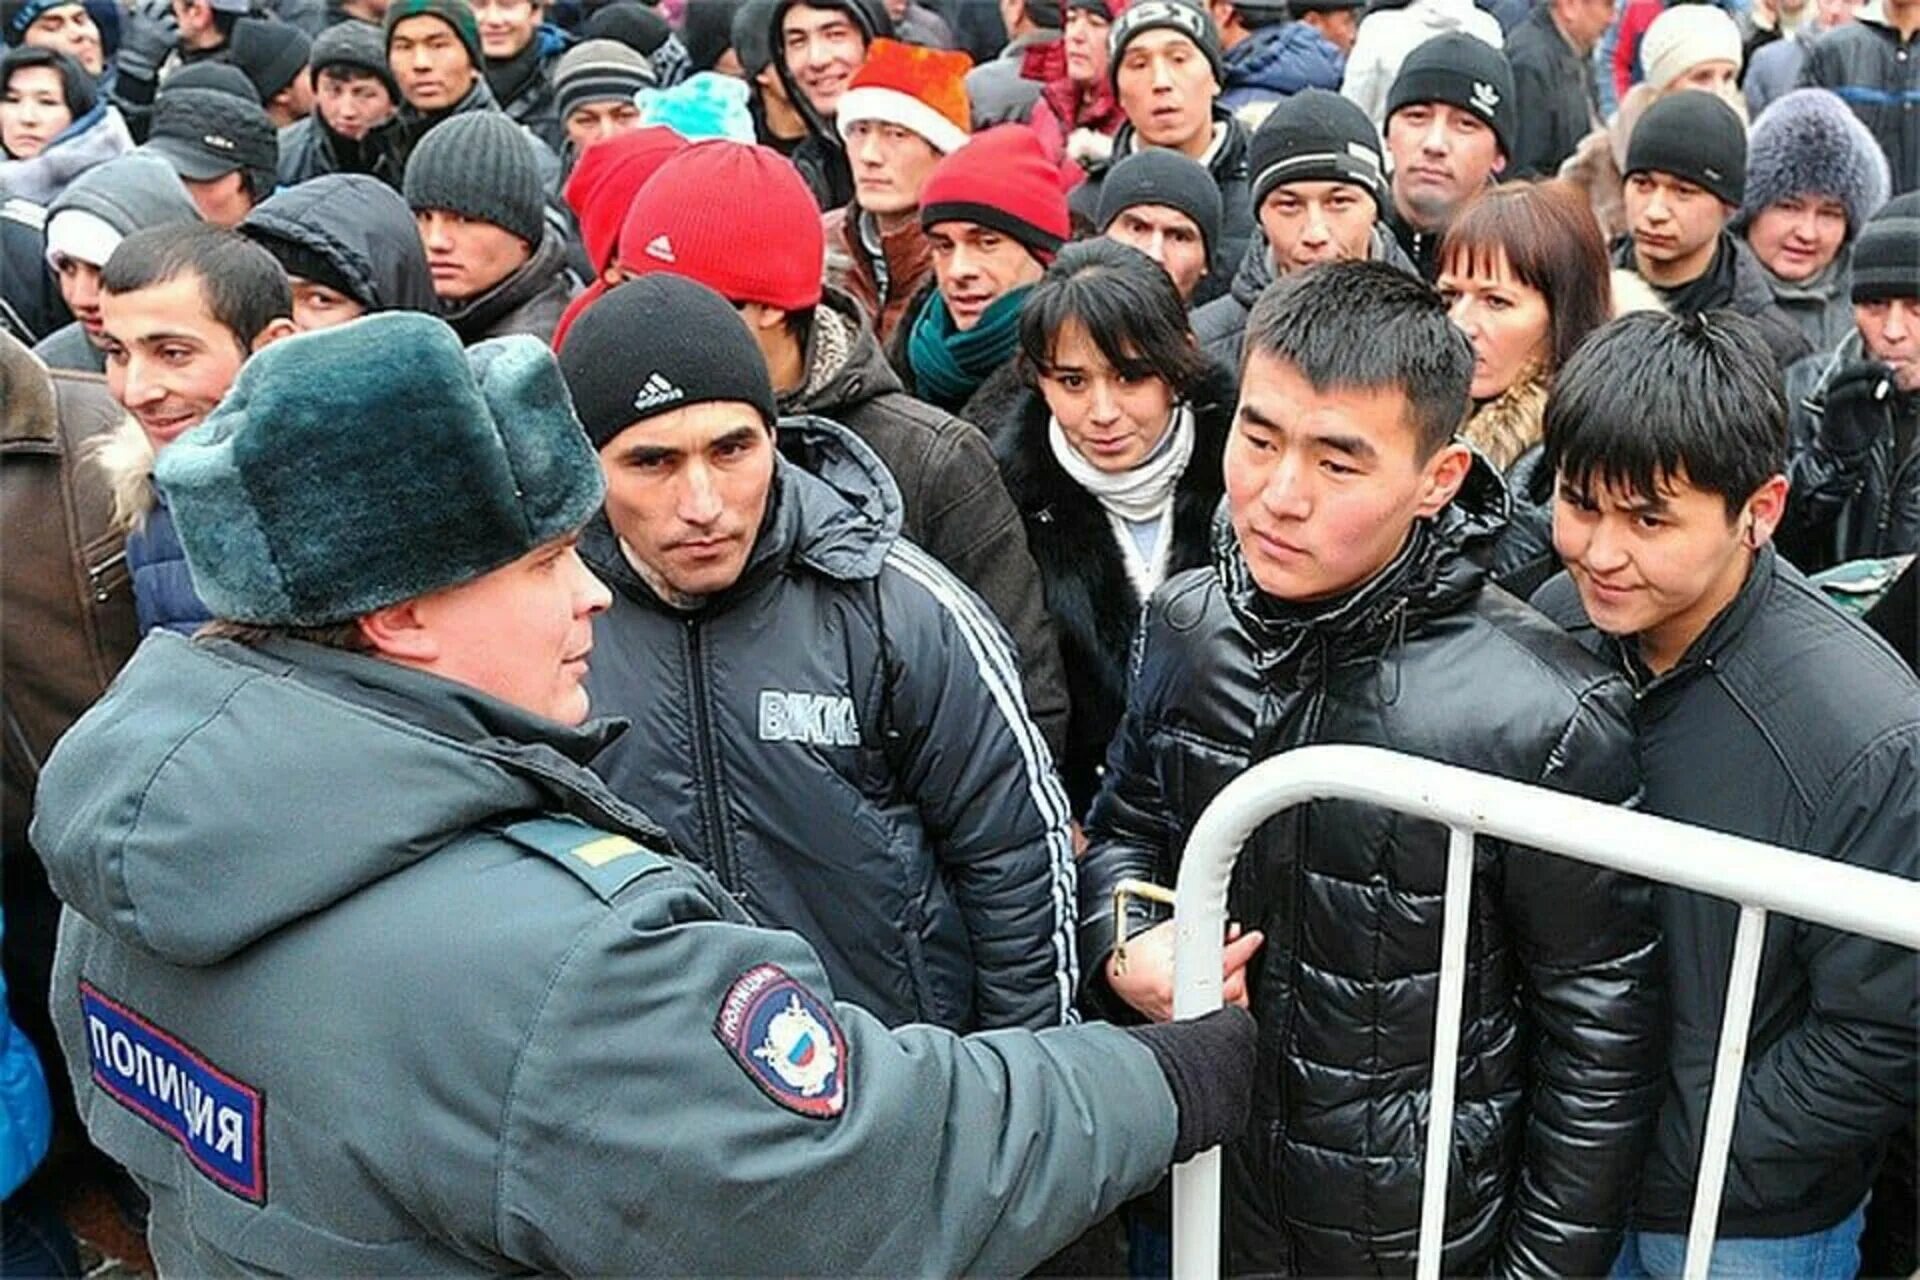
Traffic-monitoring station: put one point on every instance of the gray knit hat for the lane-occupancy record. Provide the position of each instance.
(599, 71)
(352, 46)
(1808, 142)
(1886, 257)
(480, 165)
(355, 467)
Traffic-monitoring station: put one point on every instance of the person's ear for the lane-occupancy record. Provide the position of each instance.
(277, 328)
(399, 632)
(759, 315)
(1499, 160)
(1764, 512)
(1442, 477)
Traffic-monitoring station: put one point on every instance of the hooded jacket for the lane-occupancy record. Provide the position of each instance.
(309, 148)
(372, 242)
(1789, 723)
(1876, 73)
(839, 737)
(1387, 36)
(1092, 600)
(530, 301)
(1561, 1035)
(1229, 167)
(821, 157)
(454, 1015)
(1221, 325)
(1279, 61)
(953, 505)
(1848, 506)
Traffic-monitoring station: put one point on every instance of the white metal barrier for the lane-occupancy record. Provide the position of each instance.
(1760, 877)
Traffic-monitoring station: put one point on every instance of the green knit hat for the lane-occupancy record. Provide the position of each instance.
(457, 14)
(355, 467)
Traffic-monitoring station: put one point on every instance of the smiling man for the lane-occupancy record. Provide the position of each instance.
(817, 50)
(181, 309)
(1450, 126)
(1347, 602)
(67, 27)
(1763, 712)
(885, 795)
(521, 51)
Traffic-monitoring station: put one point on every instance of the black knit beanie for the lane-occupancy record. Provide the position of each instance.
(1462, 71)
(633, 25)
(353, 46)
(1695, 137)
(659, 343)
(1886, 257)
(1171, 15)
(479, 165)
(753, 35)
(1164, 178)
(271, 53)
(1317, 136)
(221, 77)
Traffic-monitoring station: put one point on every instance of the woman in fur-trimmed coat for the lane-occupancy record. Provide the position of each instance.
(1111, 452)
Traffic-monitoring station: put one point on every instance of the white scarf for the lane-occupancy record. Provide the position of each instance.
(1142, 493)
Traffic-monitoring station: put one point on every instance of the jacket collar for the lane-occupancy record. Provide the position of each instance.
(541, 271)
(1721, 635)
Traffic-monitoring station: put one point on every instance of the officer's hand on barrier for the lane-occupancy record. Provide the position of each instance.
(1145, 981)
(1859, 409)
(1208, 1063)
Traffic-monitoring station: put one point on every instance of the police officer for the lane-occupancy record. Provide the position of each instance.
(362, 973)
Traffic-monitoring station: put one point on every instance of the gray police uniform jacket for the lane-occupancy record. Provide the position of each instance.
(362, 973)
(841, 739)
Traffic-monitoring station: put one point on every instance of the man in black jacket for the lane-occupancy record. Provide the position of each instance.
(1551, 54)
(824, 717)
(825, 362)
(1762, 711)
(1451, 124)
(1348, 602)
(816, 49)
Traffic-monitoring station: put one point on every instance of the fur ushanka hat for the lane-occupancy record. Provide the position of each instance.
(1808, 142)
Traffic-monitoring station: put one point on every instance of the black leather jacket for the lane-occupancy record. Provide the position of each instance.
(1561, 1042)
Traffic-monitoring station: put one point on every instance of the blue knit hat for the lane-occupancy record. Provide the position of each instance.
(355, 467)
(706, 105)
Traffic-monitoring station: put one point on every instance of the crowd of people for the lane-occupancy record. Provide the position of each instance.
(598, 599)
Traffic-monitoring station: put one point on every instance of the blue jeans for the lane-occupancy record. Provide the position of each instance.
(1833, 1254)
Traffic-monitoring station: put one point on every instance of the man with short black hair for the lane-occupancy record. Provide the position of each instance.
(1348, 602)
(817, 49)
(1762, 712)
(1450, 128)
(1686, 173)
(1166, 206)
(225, 150)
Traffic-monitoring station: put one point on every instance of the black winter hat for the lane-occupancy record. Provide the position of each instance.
(659, 343)
(633, 25)
(1156, 176)
(753, 35)
(479, 165)
(1462, 71)
(221, 77)
(271, 53)
(869, 15)
(1886, 257)
(352, 46)
(707, 30)
(1171, 15)
(1693, 136)
(1317, 136)
(206, 134)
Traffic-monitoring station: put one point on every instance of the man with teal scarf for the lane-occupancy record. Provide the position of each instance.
(995, 214)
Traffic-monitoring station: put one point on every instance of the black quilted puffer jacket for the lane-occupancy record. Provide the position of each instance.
(1562, 1042)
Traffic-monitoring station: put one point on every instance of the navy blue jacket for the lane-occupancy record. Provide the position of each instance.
(163, 594)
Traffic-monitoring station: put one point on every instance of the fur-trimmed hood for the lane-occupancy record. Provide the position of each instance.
(125, 456)
(1809, 142)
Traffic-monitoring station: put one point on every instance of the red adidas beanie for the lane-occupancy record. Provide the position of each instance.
(737, 218)
(1001, 179)
(605, 180)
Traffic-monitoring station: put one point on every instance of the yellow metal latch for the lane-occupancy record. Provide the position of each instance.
(1122, 893)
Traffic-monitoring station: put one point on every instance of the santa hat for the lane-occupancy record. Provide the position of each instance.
(914, 87)
(1002, 179)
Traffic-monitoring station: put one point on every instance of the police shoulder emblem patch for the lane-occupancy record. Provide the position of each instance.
(219, 1121)
(787, 1041)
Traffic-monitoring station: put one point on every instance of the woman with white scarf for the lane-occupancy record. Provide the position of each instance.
(1113, 458)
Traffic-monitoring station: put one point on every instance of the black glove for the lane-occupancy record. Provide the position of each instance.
(1208, 1063)
(1859, 408)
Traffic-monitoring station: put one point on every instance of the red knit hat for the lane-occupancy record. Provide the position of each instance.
(1004, 180)
(917, 88)
(607, 177)
(737, 218)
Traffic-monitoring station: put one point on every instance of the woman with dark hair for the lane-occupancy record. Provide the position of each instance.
(1112, 454)
(54, 126)
(1526, 278)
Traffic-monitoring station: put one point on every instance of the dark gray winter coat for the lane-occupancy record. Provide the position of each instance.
(1221, 325)
(839, 737)
(529, 301)
(954, 506)
(1876, 73)
(359, 226)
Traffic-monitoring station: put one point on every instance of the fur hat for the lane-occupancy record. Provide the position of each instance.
(1810, 143)
(310, 497)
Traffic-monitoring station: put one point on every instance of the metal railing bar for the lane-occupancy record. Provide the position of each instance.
(1446, 1048)
(1729, 1064)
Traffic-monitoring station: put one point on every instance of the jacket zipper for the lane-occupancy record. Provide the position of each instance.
(718, 855)
(95, 572)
